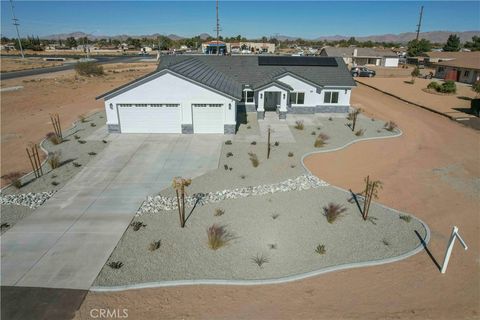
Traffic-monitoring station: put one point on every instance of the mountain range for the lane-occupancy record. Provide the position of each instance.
(433, 36)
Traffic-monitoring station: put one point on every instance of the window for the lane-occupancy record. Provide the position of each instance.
(441, 69)
(202, 105)
(330, 97)
(249, 96)
(297, 97)
(125, 105)
(141, 105)
(466, 73)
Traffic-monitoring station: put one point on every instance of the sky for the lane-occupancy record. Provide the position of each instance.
(252, 19)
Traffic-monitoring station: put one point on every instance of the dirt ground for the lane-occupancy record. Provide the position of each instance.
(25, 112)
(455, 105)
(432, 171)
(16, 64)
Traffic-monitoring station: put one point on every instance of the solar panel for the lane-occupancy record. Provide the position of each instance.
(297, 61)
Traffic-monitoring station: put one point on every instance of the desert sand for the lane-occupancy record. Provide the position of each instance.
(454, 105)
(432, 171)
(16, 64)
(25, 112)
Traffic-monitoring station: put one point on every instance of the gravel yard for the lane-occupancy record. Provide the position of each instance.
(74, 155)
(285, 228)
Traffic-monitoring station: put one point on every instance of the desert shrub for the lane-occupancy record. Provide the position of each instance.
(154, 245)
(313, 133)
(219, 212)
(405, 217)
(333, 211)
(254, 159)
(218, 236)
(89, 68)
(225, 167)
(290, 154)
(390, 126)
(76, 137)
(104, 141)
(330, 119)
(260, 260)
(292, 166)
(320, 249)
(55, 183)
(228, 142)
(321, 140)
(243, 176)
(275, 216)
(81, 141)
(82, 118)
(385, 242)
(229, 154)
(299, 125)
(249, 127)
(14, 178)
(276, 144)
(115, 264)
(53, 138)
(76, 164)
(93, 124)
(433, 85)
(253, 143)
(272, 246)
(360, 132)
(54, 159)
(91, 153)
(136, 225)
(448, 86)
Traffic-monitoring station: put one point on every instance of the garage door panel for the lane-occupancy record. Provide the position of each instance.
(148, 119)
(208, 118)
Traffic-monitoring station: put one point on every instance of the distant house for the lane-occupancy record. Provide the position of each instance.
(203, 93)
(211, 47)
(457, 66)
(363, 56)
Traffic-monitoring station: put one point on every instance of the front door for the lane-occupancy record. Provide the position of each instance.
(272, 100)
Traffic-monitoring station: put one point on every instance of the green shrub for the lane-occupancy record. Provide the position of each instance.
(89, 68)
(299, 125)
(433, 85)
(448, 86)
(320, 249)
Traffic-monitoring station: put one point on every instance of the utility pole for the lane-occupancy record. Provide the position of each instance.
(16, 24)
(419, 22)
(217, 29)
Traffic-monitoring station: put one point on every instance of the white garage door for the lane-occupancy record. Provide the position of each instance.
(150, 118)
(208, 118)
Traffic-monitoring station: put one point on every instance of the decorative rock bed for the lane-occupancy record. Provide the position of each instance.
(158, 203)
(31, 200)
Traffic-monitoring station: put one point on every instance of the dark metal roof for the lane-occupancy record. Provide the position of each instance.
(230, 74)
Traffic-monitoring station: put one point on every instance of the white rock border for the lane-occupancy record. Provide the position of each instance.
(31, 200)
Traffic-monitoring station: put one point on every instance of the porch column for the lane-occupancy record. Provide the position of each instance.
(283, 105)
(260, 107)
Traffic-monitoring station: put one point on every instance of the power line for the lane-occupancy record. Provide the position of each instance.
(419, 22)
(16, 24)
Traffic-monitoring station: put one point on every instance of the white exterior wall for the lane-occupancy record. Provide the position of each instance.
(391, 62)
(169, 88)
(312, 96)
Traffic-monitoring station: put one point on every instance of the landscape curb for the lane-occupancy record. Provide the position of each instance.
(296, 277)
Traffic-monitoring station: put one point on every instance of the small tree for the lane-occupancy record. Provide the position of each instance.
(179, 185)
(415, 73)
(353, 117)
(453, 43)
(371, 191)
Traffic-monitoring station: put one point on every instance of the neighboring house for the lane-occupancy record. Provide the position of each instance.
(458, 66)
(363, 56)
(204, 93)
(211, 47)
(214, 47)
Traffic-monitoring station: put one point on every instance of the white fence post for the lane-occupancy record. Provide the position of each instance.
(451, 242)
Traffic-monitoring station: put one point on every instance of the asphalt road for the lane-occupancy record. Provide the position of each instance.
(68, 66)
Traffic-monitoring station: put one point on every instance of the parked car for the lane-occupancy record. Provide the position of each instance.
(362, 72)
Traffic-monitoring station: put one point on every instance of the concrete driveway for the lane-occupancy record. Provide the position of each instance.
(66, 242)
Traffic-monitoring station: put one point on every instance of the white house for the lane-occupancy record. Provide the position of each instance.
(204, 94)
(363, 56)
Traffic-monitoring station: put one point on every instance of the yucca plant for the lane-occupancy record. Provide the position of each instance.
(299, 125)
(333, 211)
(390, 126)
(320, 249)
(260, 260)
